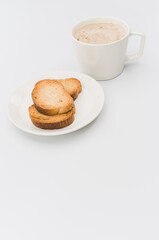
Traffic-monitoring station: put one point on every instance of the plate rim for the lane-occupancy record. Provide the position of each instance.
(66, 131)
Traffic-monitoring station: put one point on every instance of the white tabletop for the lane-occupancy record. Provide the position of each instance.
(101, 182)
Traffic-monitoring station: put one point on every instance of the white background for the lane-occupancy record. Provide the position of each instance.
(101, 182)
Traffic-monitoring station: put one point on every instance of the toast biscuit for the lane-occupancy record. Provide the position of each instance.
(72, 86)
(51, 122)
(50, 97)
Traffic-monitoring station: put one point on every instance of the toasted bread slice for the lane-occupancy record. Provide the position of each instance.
(72, 86)
(51, 122)
(50, 97)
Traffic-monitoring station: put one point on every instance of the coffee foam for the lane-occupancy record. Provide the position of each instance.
(100, 33)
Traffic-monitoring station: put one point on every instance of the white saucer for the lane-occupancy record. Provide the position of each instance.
(88, 104)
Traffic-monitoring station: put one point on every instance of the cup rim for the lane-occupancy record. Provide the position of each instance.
(101, 44)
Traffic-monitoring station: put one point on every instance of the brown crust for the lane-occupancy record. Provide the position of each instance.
(43, 107)
(75, 95)
(59, 125)
(51, 112)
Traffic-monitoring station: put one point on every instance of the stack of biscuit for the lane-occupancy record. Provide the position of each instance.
(53, 100)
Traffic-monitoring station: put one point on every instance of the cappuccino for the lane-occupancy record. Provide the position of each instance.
(100, 33)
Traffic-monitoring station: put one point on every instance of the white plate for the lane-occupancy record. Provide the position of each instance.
(88, 104)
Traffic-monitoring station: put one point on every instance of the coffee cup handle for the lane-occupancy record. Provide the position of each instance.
(141, 47)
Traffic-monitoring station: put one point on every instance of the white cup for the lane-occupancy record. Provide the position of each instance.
(105, 61)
